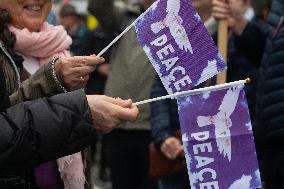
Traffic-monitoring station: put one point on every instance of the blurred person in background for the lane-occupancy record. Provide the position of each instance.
(129, 157)
(266, 41)
(75, 27)
(165, 125)
(52, 18)
(241, 63)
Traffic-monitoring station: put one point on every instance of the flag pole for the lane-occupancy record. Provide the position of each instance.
(123, 32)
(195, 91)
(223, 47)
(116, 39)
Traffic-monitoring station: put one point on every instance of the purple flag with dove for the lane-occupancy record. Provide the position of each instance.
(178, 44)
(218, 140)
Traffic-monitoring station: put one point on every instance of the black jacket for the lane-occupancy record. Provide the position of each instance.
(270, 107)
(42, 130)
(164, 115)
(38, 131)
(45, 129)
(243, 64)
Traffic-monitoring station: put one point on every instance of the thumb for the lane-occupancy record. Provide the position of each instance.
(128, 113)
(118, 101)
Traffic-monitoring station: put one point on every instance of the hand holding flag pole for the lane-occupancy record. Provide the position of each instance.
(195, 91)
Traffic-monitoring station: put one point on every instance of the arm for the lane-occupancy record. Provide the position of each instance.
(44, 129)
(162, 125)
(67, 71)
(40, 84)
(109, 15)
(160, 115)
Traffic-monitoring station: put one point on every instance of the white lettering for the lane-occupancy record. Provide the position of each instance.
(169, 63)
(202, 161)
(176, 69)
(202, 148)
(165, 51)
(200, 136)
(209, 185)
(160, 41)
(207, 170)
(182, 82)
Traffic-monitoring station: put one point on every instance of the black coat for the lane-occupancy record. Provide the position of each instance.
(45, 129)
(38, 131)
(164, 115)
(270, 107)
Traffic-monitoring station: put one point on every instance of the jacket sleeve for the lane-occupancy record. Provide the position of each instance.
(109, 15)
(40, 84)
(37, 131)
(160, 115)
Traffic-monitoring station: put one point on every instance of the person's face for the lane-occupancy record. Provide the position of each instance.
(70, 23)
(28, 14)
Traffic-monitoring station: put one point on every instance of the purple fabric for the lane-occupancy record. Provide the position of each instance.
(48, 177)
(178, 45)
(218, 140)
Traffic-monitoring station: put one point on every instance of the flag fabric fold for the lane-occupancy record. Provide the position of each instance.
(218, 140)
(178, 44)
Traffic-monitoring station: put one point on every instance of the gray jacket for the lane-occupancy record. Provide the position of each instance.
(132, 74)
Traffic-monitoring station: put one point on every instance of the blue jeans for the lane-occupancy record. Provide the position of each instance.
(179, 181)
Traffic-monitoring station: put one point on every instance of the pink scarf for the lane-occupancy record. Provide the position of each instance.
(49, 42)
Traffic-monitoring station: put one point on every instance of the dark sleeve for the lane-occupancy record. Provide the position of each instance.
(160, 114)
(45, 129)
(252, 41)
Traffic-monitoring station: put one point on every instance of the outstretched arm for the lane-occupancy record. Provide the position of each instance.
(45, 129)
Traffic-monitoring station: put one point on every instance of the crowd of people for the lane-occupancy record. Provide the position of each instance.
(57, 98)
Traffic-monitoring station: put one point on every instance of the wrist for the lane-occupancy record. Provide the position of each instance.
(54, 75)
(161, 140)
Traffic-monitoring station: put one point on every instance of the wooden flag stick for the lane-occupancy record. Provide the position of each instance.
(223, 48)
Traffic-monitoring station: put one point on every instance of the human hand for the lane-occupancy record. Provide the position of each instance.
(172, 148)
(108, 113)
(73, 72)
(233, 11)
(104, 69)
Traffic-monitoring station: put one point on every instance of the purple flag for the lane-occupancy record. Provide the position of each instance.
(218, 140)
(178, 45)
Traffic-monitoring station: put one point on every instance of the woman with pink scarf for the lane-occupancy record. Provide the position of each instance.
(37, 44)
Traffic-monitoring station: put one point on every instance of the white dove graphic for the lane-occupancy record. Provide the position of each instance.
(174, 22)
(222, 121)
(243, 183)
